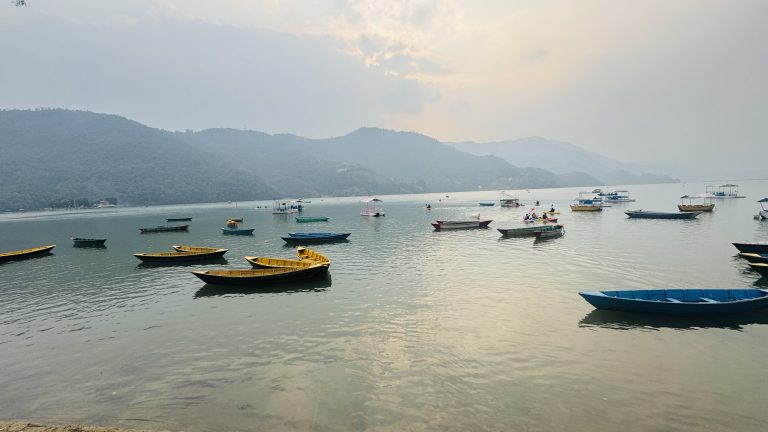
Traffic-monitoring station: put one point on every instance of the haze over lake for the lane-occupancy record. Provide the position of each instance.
(412, 329)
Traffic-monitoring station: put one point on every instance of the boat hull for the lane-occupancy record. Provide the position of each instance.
(185, 219)
(84, 242)
(696, 207)
(542, 234)
(758, 248)
(527, 231)
(680, 301)
(293, 238)
(164, 229)
(639, 214)
(306, 219)
(254, 277)
(761, 268)
(449, 225)
(25, 253)
(754, 258)
(167, 257)
(237, 231)
(586, 208)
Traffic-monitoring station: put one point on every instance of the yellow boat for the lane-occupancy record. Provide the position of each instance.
(307, 258)
(586, 207)
(258, 276)
(194, 249)
(25, 253)
(180, 256)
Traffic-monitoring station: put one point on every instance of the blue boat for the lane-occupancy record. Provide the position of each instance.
(680, 301)
(753, 247)
(643, 214)
(487, 204)
(237, 231)
(315, 237)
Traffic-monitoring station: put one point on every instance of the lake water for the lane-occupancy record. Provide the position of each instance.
(412, 330)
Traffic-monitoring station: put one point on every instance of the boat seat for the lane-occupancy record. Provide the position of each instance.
(673, 300)
(708, 300)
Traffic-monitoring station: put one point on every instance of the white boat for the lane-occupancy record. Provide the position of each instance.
(508, 200)
(617, 196)
(763, 215)
(282, 207)
(372, 208)
(727, 190)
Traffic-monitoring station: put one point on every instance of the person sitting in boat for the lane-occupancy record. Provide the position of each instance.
(544, 216)
(552, 209)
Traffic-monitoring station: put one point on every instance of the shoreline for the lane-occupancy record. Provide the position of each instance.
(27, 426)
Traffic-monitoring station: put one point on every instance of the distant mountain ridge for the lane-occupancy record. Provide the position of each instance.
(52, 154)
(562, 157)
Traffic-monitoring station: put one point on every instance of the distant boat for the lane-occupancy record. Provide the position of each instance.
(528, 231)
(618, 196)
(25, 253)
(305, 219)
(724, 191)
(373, 207)
(584, 204)
(700, 202)
(315, 237)
(181, 219)
(643, 214)
(88, 242)
(460, 224)
(237, 231)
(752, 247)
(280, 207)
(185, 256)
(487, 204)
(763, 214)
(165, 228)
(258, 276)
(679, 301)
(508, 200)
(237, 219)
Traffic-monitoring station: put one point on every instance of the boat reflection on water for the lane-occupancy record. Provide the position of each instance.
(653, 322)
(155, 264)
(316, 284)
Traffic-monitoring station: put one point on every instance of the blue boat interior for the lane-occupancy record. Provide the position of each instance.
(689, 295)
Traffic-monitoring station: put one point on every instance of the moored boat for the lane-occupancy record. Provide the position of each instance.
(306, 254)
(644, 214)
(763, 214)
(180, 256)
(584, 204)
(679, 301)
(724, 191)
(618, 196)
(181, 219)
(460, 224)
(194, 248)
(551, 233)
(307, 257)
(487, 204)
(88, 242)
(373, 207)
(752, 247)
(25, 253)
(315, 237)
(700, 202)
(258, 276)
(305, 219)
(164, 228)
(527, 231)
(754, 257)
(237, 231)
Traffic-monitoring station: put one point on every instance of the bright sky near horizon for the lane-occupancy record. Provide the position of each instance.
(654, 81)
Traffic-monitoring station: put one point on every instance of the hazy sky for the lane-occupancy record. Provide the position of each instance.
(670, 81)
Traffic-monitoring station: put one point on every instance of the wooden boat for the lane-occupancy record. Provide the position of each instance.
(582, 204)
(763, 214)
(753, 247)
(527, 231)
(237, 231)
(194, 249)
(679, 301)
(164, 228)
(487, 204)
(761, 268)
(643, 214)
(306, 254)
(724, 191)
(182, 219)
(372, 208)
(460, 224)
(320, 237)
(258, 276)
(305, 219)
(180, 256)
(307, 257)
(25, 253)
(551, 233)
(552, 212)
(754, 257)
(88, 242)
(700, 202)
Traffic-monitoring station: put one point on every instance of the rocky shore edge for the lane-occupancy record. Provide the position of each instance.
(23, 426)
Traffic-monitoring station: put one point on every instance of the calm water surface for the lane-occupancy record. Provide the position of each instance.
(412, 330)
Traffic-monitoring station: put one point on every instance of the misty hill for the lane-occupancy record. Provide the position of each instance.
(563, 157)
(50, 154)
